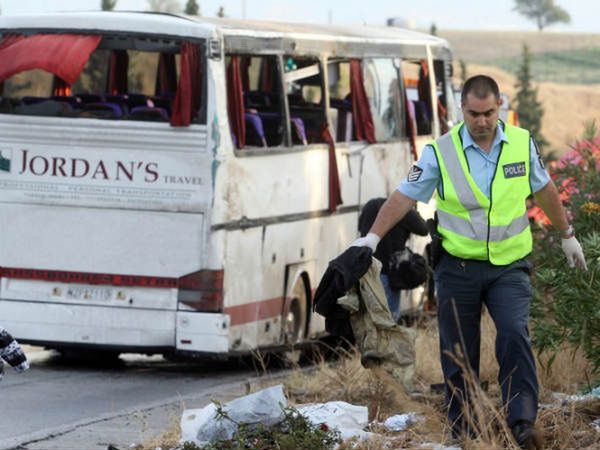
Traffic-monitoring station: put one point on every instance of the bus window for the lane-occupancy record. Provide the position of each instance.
(340, 102)
(382, 85)
(262, 103)
(418, 92)
(122, 79)
(444, 95)
(304, 87)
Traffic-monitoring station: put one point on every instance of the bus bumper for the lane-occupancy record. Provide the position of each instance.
(122, 329)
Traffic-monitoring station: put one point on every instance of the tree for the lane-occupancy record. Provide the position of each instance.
(192, 8)
(108, 5)
(221, 12)
(529, 109)
(433, 29)
(168, 6)
(463, 71)
(543, 12)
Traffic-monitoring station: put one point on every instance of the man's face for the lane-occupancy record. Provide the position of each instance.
(481, 115)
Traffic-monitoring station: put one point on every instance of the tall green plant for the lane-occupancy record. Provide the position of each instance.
(566, 307)
(192, 8)
(542, 12)
(529, 108)
(108, 5)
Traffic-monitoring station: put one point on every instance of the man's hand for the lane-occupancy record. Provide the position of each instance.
(574, 253)
(370, 240)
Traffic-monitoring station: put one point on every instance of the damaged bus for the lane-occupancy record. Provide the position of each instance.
(173, 184)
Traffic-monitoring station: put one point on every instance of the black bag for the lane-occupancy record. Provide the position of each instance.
(406, 269)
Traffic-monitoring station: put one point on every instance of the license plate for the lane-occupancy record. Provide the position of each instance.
(87, 293)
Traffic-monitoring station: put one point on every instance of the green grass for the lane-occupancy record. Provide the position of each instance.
(576, 66)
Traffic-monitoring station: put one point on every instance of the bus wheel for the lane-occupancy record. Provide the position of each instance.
(294, 324)
(295, 318)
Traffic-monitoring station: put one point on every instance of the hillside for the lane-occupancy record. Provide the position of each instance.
(488, 45)
(568, 101)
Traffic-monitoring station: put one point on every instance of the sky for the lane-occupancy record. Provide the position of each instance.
(446, 14)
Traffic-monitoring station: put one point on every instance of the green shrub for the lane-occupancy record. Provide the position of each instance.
(566, 306)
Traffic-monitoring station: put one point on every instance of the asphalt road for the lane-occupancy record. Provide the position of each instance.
(64, 405)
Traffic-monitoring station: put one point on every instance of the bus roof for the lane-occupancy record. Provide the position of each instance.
(230, 29)
(133, 22)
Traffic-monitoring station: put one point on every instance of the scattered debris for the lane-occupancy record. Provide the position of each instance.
(215, 422)
(349, 420)
(401, 422)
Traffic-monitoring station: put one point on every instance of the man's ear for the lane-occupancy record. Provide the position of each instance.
(500, 102)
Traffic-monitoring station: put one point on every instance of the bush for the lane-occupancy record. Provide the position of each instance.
(566, 306)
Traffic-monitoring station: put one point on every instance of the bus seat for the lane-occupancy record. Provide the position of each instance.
(149, 113)
(299, 129)
(90, 98)
(103, 110)
(30, 100)
(342, 119)
(47, 107)
(74, 101)
(422, 117)
(255, 132)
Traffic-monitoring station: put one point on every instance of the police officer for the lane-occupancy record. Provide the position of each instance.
(483, 171)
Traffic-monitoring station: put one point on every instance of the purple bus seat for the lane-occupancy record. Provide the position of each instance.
(74, 101)
(30, 100)
(104, 110)
(254, 121)
(90, 98)
(298, 127)
(149, 113)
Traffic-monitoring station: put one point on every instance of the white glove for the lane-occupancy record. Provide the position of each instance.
(574, 253)
(370, 240)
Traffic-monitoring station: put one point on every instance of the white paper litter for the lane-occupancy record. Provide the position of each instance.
(401, 422)
(201, 426)
(349, 420)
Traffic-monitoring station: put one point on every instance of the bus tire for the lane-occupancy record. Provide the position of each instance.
(294, 322)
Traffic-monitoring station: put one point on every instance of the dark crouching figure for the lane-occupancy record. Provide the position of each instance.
(393, 252)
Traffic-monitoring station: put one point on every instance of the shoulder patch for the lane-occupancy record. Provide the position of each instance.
(414, 174)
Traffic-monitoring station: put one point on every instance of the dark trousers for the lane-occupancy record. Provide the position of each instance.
(463, 286)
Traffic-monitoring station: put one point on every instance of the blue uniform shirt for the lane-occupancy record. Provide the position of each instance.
(422, 181)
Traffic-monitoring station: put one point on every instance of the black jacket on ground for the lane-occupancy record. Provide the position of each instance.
(341, 274)
(396, 238)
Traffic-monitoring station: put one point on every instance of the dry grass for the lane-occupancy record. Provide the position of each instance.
(565, 426)
(566, 107)
(167, 439)
(487, 45)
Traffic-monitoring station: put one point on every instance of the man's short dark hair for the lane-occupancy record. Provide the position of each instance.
(480, 86)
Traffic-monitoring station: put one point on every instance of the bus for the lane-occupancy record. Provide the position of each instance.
(177, 185)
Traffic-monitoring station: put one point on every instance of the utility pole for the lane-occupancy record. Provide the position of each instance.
(329, 16)
(243, 9)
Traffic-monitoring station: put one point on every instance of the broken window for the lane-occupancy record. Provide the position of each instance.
(383, 88)
(340, 101)
(304, 87)
(260, 106)
(418, 92)
(124, 78)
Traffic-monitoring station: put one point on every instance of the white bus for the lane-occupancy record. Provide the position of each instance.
(173, 184)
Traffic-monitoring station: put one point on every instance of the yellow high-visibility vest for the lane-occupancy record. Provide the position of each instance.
(494, 229)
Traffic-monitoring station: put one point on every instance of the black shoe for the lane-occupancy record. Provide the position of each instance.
(527, 436)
